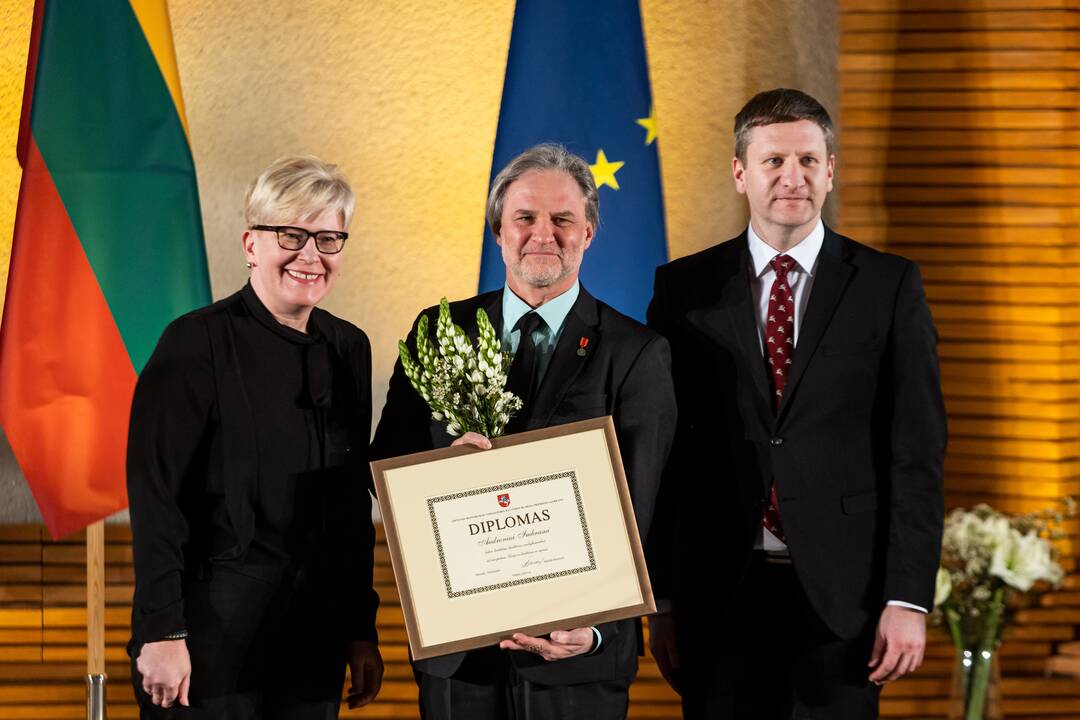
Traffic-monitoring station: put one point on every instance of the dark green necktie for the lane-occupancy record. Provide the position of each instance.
(522, 378)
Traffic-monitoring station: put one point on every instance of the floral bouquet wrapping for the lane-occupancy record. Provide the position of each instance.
(987, 560)
(465, 387)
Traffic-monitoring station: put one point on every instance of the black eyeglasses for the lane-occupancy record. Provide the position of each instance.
(327, 242)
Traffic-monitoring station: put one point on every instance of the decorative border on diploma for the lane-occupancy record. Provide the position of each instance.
(450, 593)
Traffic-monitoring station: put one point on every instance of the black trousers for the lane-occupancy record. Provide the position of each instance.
(775, 660)
(261, 649)
(487, 687)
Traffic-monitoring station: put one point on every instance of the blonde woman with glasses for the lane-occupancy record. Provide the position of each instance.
(248, 480)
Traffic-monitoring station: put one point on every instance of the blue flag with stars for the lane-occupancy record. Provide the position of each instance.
(577, 75)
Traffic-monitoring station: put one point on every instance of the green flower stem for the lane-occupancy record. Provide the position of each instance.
(953, 618)
(980, 671)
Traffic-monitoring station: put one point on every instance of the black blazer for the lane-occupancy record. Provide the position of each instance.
(856, 450)
(625, 373)
(194, 466)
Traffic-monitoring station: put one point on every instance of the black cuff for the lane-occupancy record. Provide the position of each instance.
(153, 626)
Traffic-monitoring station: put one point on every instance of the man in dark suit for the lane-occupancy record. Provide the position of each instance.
(799, 528)
(574, 358)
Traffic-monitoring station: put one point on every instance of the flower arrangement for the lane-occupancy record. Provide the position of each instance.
(463, 386)
(988, 559)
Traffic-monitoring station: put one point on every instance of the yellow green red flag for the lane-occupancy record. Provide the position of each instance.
(107, 249)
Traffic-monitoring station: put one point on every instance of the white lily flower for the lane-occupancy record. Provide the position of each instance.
(1024, 560)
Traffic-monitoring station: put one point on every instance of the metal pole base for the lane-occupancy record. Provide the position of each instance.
(95, 696)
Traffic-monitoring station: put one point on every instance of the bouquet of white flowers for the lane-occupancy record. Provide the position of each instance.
(464, 387)
(988, 558)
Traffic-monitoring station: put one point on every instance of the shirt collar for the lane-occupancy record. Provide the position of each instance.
(805, 253)
(553, 312)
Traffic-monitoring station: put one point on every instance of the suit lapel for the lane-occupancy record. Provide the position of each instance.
(734, 314)
(833, 274)
(566, 363)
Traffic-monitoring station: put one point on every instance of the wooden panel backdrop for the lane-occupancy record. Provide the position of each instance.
(43, 633)
(959, 149)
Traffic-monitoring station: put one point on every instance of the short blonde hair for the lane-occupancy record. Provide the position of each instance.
(298, 187)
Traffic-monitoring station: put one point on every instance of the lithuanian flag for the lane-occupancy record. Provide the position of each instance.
(108, 246)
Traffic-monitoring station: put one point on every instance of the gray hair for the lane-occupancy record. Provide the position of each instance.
(298, 187)
(781, 105)
(546, 156)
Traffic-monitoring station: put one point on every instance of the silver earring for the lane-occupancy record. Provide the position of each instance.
(249, 265)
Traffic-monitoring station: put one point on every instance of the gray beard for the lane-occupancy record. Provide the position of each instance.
(540, 280)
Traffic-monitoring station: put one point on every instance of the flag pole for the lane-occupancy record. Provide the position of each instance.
(95, 621)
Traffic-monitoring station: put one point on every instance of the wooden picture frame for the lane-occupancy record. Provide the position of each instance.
(536, 534)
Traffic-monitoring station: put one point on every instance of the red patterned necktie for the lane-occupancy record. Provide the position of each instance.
(779, 347)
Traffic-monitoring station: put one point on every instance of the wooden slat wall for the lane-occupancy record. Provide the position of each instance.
(43, 633)
(959, 149)
(43, 644)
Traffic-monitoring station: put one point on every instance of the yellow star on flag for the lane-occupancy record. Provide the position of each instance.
(604, 172)
(649, 123)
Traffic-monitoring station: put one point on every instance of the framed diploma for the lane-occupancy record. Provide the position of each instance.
(536, 534)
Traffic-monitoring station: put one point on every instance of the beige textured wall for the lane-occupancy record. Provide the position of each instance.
(16, 505)
(405, 96)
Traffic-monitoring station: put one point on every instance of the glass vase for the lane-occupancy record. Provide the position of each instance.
(976, 685)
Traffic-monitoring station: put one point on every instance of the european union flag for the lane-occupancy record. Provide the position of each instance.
(577, 75)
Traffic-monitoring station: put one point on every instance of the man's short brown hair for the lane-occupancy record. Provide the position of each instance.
(781, 105)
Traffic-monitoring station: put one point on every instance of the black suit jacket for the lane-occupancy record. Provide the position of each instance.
(625, 373)
(856, 449)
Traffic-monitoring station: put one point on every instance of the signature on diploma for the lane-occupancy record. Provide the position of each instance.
(533, 562)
